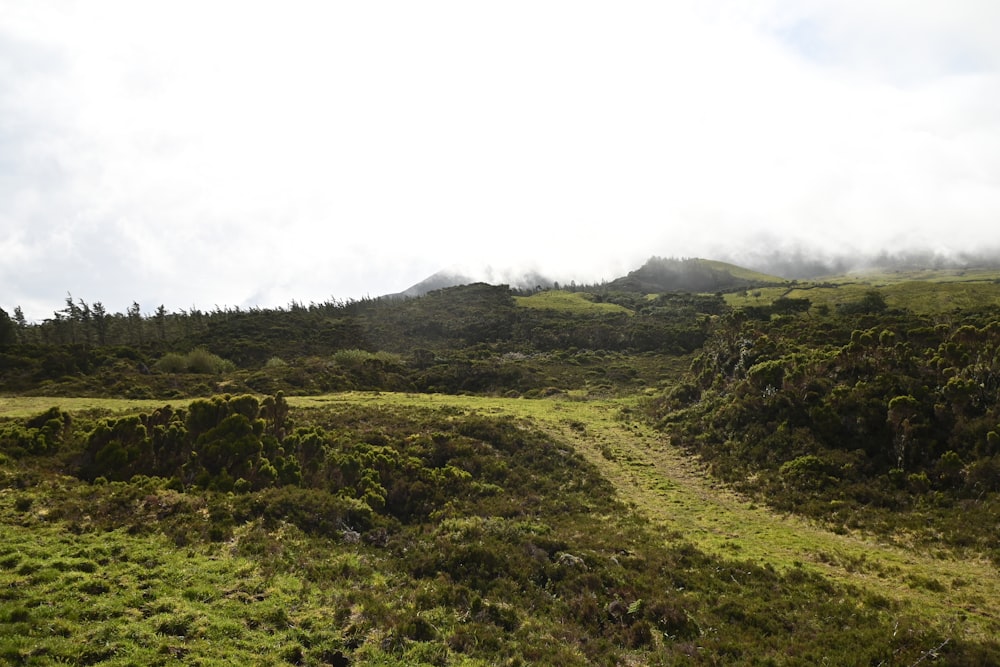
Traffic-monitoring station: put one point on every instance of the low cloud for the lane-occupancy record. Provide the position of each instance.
(241, 155)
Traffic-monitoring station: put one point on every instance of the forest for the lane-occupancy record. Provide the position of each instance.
(488, 475)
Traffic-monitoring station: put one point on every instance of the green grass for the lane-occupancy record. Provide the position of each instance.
(740, 272)
(17, 407)
(921, 292)
(677, 496)
(116, 599)
(922, 297)
(758, 296)
(732, 576)
(924, 275)
(572, 302)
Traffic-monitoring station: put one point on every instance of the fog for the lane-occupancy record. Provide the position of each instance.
(242, 153)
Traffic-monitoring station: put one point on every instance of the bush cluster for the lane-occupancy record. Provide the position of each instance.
(843, 416)
(42, 434)
(198, 360)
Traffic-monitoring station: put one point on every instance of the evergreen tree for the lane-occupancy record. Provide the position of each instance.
(134, 315)
(84, 317)
(161, 322)
(99, 319)
(8, 330)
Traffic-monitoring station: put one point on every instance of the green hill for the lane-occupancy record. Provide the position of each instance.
(919, 291)
(690, 275)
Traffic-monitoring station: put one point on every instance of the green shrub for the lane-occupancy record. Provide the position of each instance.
(23, 503)
(39, 435)
(171, 362)
(352, 358)
(198, 361)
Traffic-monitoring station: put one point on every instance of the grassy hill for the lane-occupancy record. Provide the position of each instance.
(930, 291)
(690, 275)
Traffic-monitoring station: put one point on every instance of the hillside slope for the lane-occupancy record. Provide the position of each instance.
(679, 497)
(690, 275)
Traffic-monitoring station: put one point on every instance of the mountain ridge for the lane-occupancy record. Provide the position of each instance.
(670, 274)
(657, 274)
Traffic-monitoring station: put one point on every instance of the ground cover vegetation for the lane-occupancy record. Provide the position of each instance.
(183, 489)
(867, 417)
(241, 529)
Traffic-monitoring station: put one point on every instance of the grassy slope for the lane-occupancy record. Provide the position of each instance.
(573, 302)
(960, 594)
(740, 272)
(920, 291)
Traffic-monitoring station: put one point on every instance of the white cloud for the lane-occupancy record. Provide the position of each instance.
(231, 153)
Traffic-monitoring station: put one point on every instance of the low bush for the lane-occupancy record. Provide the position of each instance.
(198, 361)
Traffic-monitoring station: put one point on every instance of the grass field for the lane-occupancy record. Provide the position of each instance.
(954, 591)
(138, 600)
(26, 406)
(926, 292)
(572, 302)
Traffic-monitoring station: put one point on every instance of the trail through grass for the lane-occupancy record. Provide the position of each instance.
(958, 592)
(677, 496)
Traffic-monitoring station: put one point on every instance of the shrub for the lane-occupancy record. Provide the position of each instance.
(42, 434)
(198, 360)
(352, 358)
(171, 362)
(23, 503)
(806, 472)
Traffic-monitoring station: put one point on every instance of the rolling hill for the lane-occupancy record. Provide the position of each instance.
(690, 275)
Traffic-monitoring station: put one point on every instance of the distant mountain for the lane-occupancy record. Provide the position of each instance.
(656, 275)
(690, 275)
(439, 280)
(453, 278)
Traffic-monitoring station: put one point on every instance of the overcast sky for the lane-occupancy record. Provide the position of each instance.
(236, 153)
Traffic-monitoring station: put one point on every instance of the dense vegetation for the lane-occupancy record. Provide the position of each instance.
(464, 339)
(867, 418)
(224, 524)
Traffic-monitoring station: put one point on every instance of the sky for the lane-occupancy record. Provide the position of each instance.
(238, 153)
